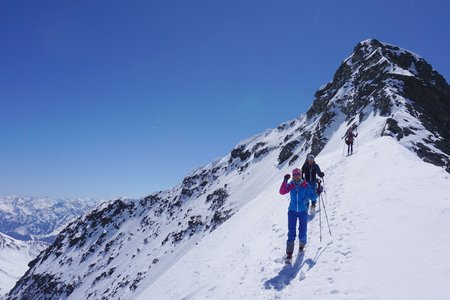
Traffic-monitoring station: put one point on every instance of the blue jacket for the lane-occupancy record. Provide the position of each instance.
(300, 192)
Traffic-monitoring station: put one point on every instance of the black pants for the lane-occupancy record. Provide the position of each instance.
(350, 147)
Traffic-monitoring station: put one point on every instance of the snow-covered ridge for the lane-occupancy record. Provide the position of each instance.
(123, 247)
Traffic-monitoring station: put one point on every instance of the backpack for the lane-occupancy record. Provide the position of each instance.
(349, 137)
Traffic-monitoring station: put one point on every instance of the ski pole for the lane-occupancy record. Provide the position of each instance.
(320, 221)
(357, 140)
(324, 190)
(321, 187)
(326, 215)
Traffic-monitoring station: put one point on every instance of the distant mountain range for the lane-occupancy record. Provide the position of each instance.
(35, 218)
(27, 226)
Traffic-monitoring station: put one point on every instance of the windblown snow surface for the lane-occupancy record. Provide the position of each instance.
(389, 215)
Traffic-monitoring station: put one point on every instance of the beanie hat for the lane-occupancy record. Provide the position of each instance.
(296, 171)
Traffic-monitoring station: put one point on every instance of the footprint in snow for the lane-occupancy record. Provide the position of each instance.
(302, 276)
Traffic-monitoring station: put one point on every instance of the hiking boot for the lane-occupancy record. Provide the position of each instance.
(301, 247)
(289, 248)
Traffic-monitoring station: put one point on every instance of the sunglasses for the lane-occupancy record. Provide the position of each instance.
(297, 174)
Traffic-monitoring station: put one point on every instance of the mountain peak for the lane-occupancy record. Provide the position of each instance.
(372, 52)
(385, 80)
(370, 43)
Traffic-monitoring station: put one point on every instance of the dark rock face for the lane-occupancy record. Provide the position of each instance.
(240, 153)
(46, 284)
(380, 78)
(243, 156)
(431, 104)
(219, 217)
(287, 151)
(429, 156)
(260, 150)
(393, 129)
(217, 198)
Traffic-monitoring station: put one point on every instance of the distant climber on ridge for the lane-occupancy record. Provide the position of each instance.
(310, 171)
(298, 209)
(349, 136)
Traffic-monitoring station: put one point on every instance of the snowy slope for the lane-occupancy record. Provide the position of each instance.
(389, 216)
(14, 258)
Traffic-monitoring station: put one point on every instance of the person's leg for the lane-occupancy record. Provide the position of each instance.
(292, 224)
(351, 144)
(314, 189)
(303, 228)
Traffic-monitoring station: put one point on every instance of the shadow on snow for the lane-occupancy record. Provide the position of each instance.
(286, 274)
(289, 272)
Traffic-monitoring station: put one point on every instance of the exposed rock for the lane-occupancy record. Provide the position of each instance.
(241, 153)
(217, 198)
(287, 151)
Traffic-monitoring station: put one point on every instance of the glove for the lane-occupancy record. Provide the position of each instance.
(286, 177)
(322, 174)
(319, 190)
(303, 183)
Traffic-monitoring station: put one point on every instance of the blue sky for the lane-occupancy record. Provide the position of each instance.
(123, 98)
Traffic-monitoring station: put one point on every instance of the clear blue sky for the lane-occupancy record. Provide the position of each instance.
(112, 98)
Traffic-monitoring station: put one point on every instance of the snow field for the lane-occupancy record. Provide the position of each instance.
(389, 216)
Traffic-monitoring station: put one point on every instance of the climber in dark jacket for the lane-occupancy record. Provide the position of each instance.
(349, 137)
(310, 171)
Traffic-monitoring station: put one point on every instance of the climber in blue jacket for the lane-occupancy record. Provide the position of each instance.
(300, 192)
